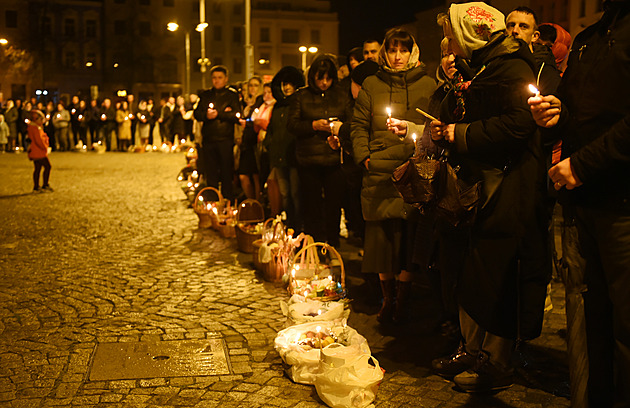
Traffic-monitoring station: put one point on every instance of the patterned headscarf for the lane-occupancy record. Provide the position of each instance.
(473, 24)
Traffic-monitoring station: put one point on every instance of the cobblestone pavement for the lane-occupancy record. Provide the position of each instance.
(114, 255)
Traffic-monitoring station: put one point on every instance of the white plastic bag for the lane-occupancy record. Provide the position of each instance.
(349, 384)
(303, 361)
(301, 310)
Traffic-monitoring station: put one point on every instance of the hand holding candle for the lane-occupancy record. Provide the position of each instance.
(545, 109)
(389, 114)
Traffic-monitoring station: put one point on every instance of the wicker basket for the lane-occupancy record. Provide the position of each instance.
(317, 280)
(205, 208)
(273, 270)
(250, 212)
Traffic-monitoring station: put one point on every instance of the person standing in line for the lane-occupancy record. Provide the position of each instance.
(4, 134)
(371, 48)
(73, 108)
(283, 181)
(143, 130)
(317, 112)
(82, 110)
(178, 128)
(12, 116)
(107, 120)
(38, 151)
(123, 118)
(61, 123)
(219, 109)
(399, 87)
(92, 116)
(592, 118)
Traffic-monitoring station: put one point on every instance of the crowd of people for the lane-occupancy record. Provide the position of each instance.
(522, 123)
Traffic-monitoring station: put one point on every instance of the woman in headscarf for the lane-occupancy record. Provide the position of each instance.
(488, 131)
(399, 87)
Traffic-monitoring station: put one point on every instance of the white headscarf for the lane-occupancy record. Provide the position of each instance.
(473, 24)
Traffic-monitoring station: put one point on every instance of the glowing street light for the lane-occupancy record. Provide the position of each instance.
(4, 41)
(303, 49)
(172, 26)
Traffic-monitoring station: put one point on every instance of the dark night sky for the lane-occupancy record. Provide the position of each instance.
(362, 19)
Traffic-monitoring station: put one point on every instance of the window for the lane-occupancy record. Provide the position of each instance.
(145, 2)
(315, 37)
(10, 18)
(144, 28)
(218, 61)
(216, 8)
(265, 35)
(119, 1)
(68, 27)
(217, 33)
(120, 27)
(48, 56)
(46, 26)
(237, 10)
(237, 35)
(582, 8)
(290, 36)
(71, 60)
(169, 3)
(90, 28)
(237, 65)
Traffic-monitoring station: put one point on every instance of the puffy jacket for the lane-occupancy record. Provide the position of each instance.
(38, 148)
(402, 92)
(225, 101)
(310, 104)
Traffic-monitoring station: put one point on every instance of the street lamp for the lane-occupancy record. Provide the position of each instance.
(4, 41)
(172, 26)
(303, 49)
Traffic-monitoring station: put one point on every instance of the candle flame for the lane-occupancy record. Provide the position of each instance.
(534, 90)
(413, 136)
(389, 111)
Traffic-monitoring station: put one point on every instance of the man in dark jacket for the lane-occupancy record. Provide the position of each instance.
(219, 110)
(535, 259)
(593, 118)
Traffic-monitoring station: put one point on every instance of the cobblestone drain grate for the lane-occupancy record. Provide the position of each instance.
(182, 358)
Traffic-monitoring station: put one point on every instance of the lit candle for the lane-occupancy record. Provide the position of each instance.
(73, 110)
(389, 113)
(103, 117)
(534, 90)
(182, 141)
(211, 105)
(80, 117)
(58, 115)
(238, 115)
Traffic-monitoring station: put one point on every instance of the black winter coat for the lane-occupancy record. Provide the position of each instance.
(226, 102)
(495, 144)
(308, 105)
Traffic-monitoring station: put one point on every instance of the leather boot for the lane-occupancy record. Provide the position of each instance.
(387, 308)
(403, 291)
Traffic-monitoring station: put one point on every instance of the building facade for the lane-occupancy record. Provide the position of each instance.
(98, 48)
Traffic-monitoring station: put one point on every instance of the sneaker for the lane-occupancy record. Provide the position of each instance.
(47, 189)
(455, 364)
(37, 190)
(484, 377)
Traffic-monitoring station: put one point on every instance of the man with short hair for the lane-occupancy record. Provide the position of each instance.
(219, 110)
(370, 50)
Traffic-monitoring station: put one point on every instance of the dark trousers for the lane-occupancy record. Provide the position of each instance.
(218, 165)
(321, 192)
(604, 242)
(476, 339)
(39, 163)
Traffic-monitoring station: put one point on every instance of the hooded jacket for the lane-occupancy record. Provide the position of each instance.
(311, 104)
(402, 91)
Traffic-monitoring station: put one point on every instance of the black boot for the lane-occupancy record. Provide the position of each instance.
(387, 309)
(403, 292)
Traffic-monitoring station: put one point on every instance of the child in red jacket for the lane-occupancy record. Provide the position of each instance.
(38, 150)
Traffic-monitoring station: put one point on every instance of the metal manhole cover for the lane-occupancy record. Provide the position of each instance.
(183, 358)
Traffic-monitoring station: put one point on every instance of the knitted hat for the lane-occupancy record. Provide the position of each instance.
(473, 24)
(363, 70)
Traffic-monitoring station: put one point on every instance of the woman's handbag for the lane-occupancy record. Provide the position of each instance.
(424, 181)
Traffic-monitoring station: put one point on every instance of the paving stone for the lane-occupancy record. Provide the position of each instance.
(115, 255)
